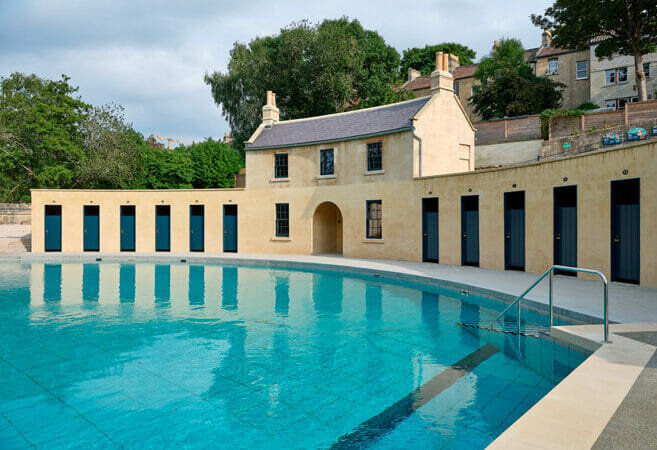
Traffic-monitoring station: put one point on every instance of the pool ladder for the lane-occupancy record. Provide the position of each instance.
(519, 328)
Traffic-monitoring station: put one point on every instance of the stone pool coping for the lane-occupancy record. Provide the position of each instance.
(575, 413)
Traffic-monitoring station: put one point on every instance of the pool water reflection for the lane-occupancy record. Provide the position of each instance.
(235, 357)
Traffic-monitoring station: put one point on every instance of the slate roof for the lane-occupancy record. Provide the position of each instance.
(340, 127)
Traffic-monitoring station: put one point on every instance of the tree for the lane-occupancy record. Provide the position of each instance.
(512, 94)
(507, 55)
(41, 137)
(509, 87)
(330, 67)
(424, 59)
(214, 164)
(626, 27)
(111, 150)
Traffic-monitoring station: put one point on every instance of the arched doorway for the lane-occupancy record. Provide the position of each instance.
(327, 229)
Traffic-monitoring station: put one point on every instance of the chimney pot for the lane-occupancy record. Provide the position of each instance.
(546, 38)
(446, 62)
(270, 113)
(439, 60)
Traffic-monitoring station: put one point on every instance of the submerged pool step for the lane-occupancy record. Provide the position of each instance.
(531, 330)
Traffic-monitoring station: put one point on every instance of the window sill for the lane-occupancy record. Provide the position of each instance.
(326, 177)
(279, 180)
(580, 79)
(373, 241)
(373, 172)
(281, 239)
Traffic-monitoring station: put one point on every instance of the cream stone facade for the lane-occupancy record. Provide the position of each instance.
(402, 213)
(606, 93)
(577, 86)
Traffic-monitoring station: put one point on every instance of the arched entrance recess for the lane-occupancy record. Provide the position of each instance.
(327, 229)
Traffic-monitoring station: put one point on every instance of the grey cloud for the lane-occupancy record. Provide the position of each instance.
(150, 56)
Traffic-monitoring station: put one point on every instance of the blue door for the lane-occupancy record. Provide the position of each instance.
(230, 228)
(91, 228)
(625, 231)
(430, 229)
(514, 230)
(565, 227)
(162, 228)
(196, 228)
(128, 228)
(53, 228)
(470, 230)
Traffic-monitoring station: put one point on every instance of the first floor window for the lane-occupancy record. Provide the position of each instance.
(280, 165)
(374, 157)
(646, 69)
(282, 219)
(476, 89)
(610, 76)
(582, 70)
(611, 103)
(456, 88)
(622, 74)
(326, 162)
(553, 66)
(373, 221)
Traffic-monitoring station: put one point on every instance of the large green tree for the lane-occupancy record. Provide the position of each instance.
(424, 59)
(330, 67)
(508, 85)
(111, 155)
(626, 27)
(41, 139)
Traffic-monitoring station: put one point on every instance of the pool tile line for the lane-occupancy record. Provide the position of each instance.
(389, 418)
(82, 416)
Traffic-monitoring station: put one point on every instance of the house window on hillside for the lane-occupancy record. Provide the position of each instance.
(610, 76)
(280, 165)
(553, 66)
(282, 219)
(456, 88)
(610, 103)
(646, 69)
(622, 74)
(582, 70)
(326, 162)
(373, 219)
(374, 157)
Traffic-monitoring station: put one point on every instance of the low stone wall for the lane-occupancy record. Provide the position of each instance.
(507, 153)
(591, 141)
(15, 213)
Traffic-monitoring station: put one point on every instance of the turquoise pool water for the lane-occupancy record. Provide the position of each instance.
(212, 356)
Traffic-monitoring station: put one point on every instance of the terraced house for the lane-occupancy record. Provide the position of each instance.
(608, 83)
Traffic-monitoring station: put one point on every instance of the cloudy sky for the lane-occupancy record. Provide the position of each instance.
(150, 55)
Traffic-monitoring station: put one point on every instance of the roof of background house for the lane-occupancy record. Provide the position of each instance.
(552, 51)
(341, 126)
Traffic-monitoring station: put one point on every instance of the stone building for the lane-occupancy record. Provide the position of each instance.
(613, 82)
(390, 182)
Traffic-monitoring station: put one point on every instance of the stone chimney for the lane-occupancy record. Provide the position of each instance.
(546, 38)
(228, 139)
(496, 44)
(270, 113)
(453, 62)
(413, 74)
(441, 79)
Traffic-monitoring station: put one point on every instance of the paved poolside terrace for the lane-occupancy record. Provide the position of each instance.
(609, 401)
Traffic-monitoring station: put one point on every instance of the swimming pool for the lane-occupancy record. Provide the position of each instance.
(208, 355)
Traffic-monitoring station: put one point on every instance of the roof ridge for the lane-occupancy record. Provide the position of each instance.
(344, 113)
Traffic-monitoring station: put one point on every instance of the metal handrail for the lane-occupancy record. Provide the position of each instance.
(549, 273)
